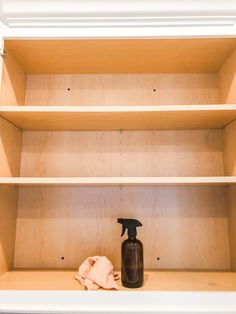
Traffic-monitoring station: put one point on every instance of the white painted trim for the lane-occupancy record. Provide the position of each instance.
(117, 18)
(122, 32)
(128, 22)
(91, 302)
(117, 13)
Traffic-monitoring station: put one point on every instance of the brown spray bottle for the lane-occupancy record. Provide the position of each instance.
(131, 255)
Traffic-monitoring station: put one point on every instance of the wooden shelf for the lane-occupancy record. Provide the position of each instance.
(116, 181)
(197, 55)
(97, 118)
(153, 280)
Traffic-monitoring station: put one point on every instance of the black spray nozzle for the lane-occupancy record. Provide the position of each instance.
(129, 224)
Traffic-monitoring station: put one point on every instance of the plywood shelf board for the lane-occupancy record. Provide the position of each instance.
(144, 108)
(121, 55)
(116, 181)
(153, 280)
(119, 117)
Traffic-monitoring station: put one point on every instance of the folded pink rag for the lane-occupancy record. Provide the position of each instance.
(97, 272)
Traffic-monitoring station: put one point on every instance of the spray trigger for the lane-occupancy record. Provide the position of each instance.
(123, 230)
(130, 224)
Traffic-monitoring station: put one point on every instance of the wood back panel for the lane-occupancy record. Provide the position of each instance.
(186, 228)
(58, 220)
(77, 222)
(137, 153)
(150, 89)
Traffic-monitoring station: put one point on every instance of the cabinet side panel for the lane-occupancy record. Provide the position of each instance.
(230, 170)
(229, 140)
(227, 80)
(8, 212)
(227, 91)
(10, 150)
(232, 225)
(13, 83)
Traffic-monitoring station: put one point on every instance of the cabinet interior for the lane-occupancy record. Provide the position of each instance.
(47, 229)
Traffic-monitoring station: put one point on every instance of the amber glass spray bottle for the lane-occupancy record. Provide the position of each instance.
(131, 255)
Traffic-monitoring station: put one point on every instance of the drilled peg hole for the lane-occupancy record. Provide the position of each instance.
(62, 258)
(158, 258)
(154, 89)
(68, 89)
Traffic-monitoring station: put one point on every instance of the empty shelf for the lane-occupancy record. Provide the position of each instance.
(153, 280)
(95, 118)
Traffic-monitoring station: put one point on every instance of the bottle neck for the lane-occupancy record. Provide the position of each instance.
(132, 232)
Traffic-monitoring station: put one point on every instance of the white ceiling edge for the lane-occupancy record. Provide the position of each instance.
(25, 19)
(117, 13)
(75, 33)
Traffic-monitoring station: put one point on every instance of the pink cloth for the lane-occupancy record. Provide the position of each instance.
(97, 272)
